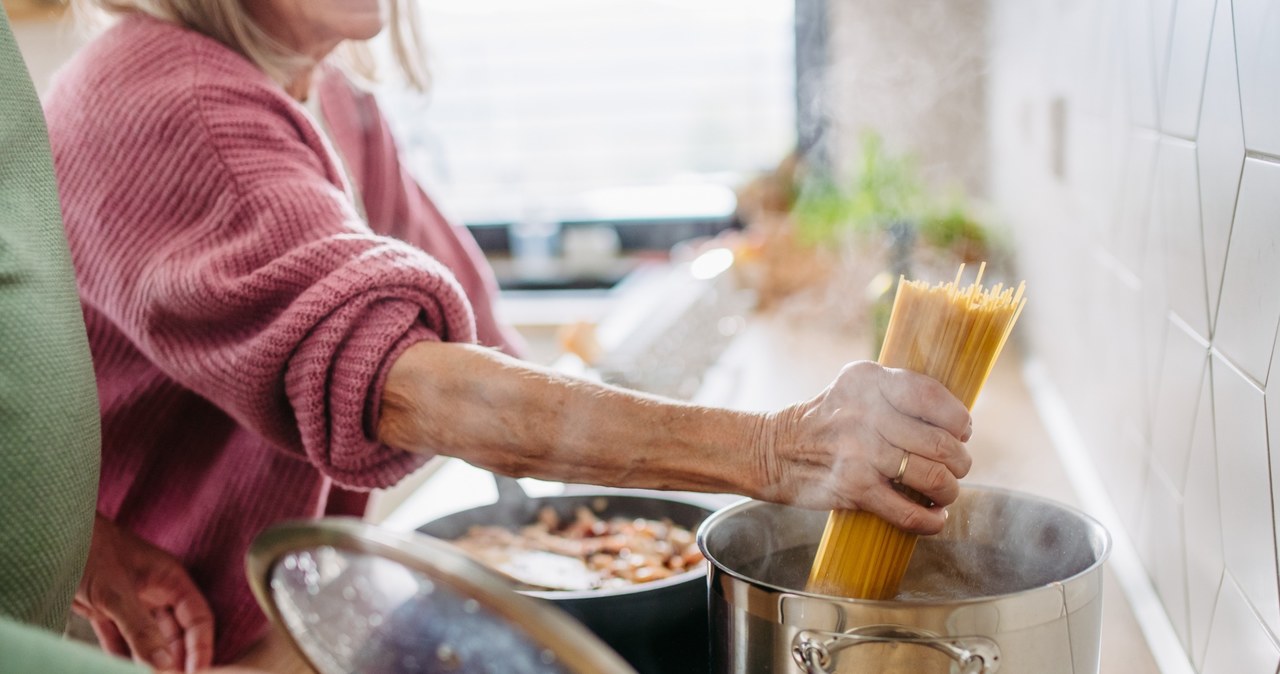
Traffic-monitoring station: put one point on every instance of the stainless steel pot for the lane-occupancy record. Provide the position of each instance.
(1013, 584)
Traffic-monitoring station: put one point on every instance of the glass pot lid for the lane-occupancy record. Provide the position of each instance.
(356, 598)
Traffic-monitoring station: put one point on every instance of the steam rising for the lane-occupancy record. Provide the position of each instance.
(914, 72)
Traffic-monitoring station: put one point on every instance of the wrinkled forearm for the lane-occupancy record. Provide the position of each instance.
(517, 419)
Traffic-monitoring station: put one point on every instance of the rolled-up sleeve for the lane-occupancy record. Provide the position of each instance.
(240, 269)
(294, 340)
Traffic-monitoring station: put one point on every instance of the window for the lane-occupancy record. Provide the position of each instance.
(597, 110)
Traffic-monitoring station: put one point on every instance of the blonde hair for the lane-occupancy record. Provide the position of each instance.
(228, 22)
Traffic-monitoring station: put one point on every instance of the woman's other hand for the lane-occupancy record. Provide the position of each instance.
(844, 448)
(142, 604)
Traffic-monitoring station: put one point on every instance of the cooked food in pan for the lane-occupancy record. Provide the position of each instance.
(586, 552)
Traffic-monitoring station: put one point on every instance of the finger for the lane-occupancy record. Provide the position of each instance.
(928, 442)
(83, 609)
(172, 587)
(901, 512)
(138, 628)
(166, 625)
(924, 398)
(932, 479)
(172, 633)
(109, 637)
(197, 623)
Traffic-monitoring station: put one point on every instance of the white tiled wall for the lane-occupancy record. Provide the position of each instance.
(1153, 265)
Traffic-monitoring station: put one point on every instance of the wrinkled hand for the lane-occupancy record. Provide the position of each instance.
(141, 602)
(842, 449)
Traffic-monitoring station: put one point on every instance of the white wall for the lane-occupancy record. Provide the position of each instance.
(46, 45)
(1136, 146)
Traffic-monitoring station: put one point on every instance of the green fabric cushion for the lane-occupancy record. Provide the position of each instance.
(27, 650)
(49, 433)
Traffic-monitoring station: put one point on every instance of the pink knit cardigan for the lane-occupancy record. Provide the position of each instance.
(242, 316)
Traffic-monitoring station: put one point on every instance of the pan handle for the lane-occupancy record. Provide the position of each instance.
(509, 490)
(814, 650)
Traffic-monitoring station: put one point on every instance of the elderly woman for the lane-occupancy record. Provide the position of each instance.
(281, 319)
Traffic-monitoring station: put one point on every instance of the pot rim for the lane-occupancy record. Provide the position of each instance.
(692, 575)
(746, 504)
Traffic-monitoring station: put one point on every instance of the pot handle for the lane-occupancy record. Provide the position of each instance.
(813, 650)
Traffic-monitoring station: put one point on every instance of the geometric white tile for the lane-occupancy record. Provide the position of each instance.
(1203, 518)
(1123, 418)
(1075, 62)
(1130, 464)
(1250, 306)
(1140, 64)
(1188, 51)
(1162, 548)
(1125, 475)
(1181, 385)
(1131, 337)
(1162, 18)
(1131, 227)
(1238, 644)
(1244, 489)
(1096, 146)
(1219, 150)
(1123, 335)
(1273, 429)
(1227, 516)
(1096, 277)
(1155, 294)
(1257, 24)
(1100, 83)
(1109, 399)
(1176, 208)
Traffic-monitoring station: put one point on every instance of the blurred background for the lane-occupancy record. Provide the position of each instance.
(1123, 157)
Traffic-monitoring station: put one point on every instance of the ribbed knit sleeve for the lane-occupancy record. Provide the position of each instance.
(209, 224)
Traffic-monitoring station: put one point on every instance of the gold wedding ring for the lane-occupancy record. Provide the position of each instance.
(902, 467)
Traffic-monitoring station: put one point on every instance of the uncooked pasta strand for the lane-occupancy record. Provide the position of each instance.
(951, 333)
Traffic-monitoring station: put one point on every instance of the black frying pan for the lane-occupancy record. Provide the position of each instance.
(659, 627)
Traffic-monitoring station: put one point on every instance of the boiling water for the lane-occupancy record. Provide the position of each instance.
(940, 570)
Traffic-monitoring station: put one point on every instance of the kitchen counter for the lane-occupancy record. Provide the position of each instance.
(772, 363)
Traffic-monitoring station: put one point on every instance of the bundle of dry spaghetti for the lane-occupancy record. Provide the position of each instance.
(954, 335)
